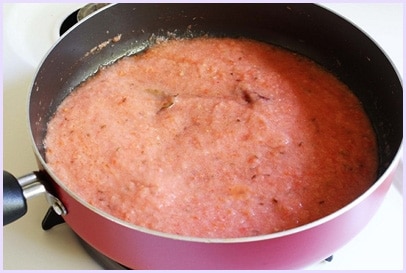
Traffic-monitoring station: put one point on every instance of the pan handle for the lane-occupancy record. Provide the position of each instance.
(14, 201)
(17, 191)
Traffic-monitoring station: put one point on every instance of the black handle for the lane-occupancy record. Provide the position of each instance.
(14, 202)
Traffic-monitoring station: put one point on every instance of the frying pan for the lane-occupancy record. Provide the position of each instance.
(304, 28)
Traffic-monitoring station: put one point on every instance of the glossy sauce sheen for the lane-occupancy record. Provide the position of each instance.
(214, 138)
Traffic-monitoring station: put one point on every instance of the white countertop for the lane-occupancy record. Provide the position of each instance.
(27, 246)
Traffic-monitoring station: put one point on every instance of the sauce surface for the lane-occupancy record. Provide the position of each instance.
(215, 138)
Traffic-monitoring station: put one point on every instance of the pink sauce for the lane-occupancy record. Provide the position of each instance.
(213, 138)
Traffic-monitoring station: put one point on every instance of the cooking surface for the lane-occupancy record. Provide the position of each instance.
(27, 246)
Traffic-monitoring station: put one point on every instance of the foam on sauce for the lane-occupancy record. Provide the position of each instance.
(211, 137)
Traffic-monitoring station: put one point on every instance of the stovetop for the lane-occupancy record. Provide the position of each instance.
(29, 31)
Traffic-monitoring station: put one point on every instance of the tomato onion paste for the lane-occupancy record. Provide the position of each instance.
(213, 137)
